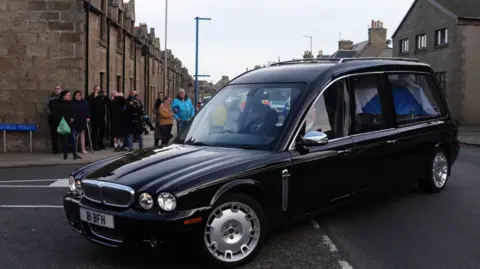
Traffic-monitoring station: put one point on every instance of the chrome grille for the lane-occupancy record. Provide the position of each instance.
(108, 193)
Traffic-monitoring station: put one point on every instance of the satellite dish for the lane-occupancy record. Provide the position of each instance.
(389, 42)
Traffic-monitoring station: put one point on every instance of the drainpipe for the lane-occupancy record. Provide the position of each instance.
(107, 77)
(147, 84)
(87, 47)
(124, 61)
(135, 65)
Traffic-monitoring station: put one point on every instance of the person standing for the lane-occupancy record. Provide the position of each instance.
(166, 119)
(158, 102)
(183, 109)
(134, 116)
(48, 110)
(63, 108)
(117, 110)
(81, 112)
(98, 106)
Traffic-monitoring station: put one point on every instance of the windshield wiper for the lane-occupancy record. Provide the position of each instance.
(195, 143)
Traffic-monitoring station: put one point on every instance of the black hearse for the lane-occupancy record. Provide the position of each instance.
(352, 125)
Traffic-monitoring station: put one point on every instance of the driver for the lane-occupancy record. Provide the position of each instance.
(263, 120)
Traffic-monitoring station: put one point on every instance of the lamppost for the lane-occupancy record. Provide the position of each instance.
(165, 79)
(311, 39)
(197, 19)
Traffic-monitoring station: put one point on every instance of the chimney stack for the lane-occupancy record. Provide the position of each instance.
(345, 44)
(376, 33)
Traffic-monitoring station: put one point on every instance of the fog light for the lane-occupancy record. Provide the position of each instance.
(145, 200)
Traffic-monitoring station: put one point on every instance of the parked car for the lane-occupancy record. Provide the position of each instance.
(352, 127)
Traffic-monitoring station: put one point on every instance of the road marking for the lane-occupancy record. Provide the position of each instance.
(31, 206)
(57, 183)
(328, 242)
(28, 180)
(331, 246)
(61, 183)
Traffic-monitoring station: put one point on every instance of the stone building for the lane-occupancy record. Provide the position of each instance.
(446, 35)
(77, 44)
(377, 44)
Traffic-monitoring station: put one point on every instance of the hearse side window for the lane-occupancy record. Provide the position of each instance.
(330, 113)
(368, 104)
(416, 97)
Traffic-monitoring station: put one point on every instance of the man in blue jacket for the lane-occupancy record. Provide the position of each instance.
(183, 109)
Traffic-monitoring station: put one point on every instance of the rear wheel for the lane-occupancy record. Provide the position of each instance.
(234, 231)
(439, 167)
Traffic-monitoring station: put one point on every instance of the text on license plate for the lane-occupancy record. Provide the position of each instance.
(97, 218)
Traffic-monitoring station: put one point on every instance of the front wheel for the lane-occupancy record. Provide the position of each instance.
(439, 167)
(234, 231)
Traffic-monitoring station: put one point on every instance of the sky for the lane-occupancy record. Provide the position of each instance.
(244, 33)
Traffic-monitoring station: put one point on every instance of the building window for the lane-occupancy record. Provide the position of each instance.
(119, 84)
(120, 17)
(404, 46)
(132, 46)
(102, 80)
(103, 21)
(421, 42)
(441, 37)
(442, 81)
(119, 38)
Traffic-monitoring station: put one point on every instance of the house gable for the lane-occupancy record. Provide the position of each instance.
(414, 5)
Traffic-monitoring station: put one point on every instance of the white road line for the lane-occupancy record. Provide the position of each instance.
(31, 206)
(329, 244)
(61, 183)
(345, 265)
(28, 180)
(315, 224)
(57, 183)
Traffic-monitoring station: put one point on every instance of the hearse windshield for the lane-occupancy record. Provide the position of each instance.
(242, 116)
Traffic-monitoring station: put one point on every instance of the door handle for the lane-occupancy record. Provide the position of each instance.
(346, 151)
(391, 141)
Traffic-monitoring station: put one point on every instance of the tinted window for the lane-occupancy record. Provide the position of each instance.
(368, 103)
(330, 113)
(416, 97)
(242, 116)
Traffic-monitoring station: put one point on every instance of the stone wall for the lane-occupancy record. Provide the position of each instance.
(41, 44)
(44, 43)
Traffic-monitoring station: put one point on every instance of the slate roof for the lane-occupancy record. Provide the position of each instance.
(344, 54)
(462, 8)
(466, 9)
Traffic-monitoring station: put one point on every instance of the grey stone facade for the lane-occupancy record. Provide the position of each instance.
(76, 44)
(447, 60)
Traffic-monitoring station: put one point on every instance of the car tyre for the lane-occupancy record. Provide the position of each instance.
(234, 232)
(439, 170)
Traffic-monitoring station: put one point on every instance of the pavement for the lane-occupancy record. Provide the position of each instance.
(400, 229)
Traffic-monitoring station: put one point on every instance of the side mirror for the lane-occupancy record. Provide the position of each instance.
(315, 138)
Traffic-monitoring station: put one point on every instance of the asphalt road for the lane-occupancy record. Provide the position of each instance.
(401, 229)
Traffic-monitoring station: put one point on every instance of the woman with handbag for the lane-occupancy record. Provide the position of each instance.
(165, 116)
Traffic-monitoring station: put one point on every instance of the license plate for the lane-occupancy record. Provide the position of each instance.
(97, 218)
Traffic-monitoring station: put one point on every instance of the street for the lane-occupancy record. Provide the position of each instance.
(401, 229)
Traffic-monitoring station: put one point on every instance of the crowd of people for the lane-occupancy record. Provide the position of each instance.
(86, 119)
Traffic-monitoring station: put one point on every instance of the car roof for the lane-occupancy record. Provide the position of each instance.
(306, 71)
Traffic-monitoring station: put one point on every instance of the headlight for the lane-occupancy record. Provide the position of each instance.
(75, 185)
(71, 183)
(167, 201)
(145, 200)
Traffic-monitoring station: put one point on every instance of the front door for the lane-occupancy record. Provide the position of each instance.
(320, 175)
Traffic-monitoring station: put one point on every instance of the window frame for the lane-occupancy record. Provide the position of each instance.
(442, 101)
(404, 49)
(438, 37)
(418, 42)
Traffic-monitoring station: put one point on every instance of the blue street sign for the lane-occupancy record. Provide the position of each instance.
(18, 127)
